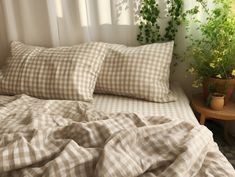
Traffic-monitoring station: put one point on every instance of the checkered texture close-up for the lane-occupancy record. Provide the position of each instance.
(179, 109)
(139, 72)
(54, 73)
(69, 138)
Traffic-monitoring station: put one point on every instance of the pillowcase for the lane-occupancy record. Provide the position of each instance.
(139, 72)
(55, 73)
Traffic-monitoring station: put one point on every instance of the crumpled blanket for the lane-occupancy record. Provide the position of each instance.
(70, 138)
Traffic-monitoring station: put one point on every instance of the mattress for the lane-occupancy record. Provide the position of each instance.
(179, 109)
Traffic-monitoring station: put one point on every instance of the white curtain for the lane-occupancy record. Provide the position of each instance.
(68, 22)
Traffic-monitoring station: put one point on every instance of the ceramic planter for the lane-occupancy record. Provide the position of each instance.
(217, 101)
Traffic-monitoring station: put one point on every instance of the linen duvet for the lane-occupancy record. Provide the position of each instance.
(70, 138)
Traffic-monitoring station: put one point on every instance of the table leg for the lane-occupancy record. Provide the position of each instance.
(202, 119)
(226, 133)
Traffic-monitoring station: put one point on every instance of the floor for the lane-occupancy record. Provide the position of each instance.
(227, 150)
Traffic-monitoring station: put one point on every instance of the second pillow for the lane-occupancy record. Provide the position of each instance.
(139, 72)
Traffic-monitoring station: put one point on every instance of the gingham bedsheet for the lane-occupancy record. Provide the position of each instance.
(67, 138)
(179, 109)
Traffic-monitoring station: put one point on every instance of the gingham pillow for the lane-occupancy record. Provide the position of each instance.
(139, 72)
(55, 73)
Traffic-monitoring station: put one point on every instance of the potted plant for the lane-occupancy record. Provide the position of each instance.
(213, 54)
(217, 101)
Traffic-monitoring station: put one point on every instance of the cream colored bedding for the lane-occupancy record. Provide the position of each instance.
(179, 109)
(68, 138)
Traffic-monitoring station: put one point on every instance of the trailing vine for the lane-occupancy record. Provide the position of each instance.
(176, 13)
(149, 25)
(149, 29)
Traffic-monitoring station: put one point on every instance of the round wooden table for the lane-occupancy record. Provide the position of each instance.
(227, 114)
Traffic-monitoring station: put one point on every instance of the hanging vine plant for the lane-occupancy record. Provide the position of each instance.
(176, 13)
(149, 25)
(149, 29)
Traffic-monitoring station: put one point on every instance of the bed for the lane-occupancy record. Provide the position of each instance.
(52, 126)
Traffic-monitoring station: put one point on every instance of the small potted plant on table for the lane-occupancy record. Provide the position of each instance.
(216, 101)
(214, 52)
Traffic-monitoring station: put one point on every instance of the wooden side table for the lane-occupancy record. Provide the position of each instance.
(227, 114)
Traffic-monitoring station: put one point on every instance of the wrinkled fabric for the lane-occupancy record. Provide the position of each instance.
(68, 138)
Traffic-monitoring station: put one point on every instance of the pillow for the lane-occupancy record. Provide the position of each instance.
(55, 73)
(139, 72)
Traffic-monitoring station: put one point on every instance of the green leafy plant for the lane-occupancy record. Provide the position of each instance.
(149, 29)
(149, 25)
(175, 11)
(214, 52)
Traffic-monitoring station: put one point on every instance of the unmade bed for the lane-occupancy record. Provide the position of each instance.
(71, 138)
(52, 125)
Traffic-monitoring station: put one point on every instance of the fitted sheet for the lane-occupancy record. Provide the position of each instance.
(179, 109)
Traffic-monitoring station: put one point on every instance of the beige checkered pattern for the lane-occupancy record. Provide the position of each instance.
(179, 109)
(54, 73)
(139, 72)
(67, 138)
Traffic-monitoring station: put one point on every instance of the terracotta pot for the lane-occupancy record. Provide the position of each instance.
(217, 102)
(218, 85)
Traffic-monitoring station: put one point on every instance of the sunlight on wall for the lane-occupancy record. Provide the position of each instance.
(59, 10)
(124, 18)
(83, 14)
(104, 11)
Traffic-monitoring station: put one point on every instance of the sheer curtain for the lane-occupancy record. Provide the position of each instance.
(67, 22)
